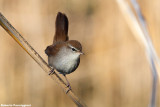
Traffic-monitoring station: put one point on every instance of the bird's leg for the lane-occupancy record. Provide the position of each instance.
(51, 72)
(68, 84)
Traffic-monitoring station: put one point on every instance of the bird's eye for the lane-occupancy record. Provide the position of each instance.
(73, 49)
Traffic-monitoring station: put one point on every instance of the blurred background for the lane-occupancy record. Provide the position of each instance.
(114, 72)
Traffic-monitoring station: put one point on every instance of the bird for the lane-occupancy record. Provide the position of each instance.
(63, 54)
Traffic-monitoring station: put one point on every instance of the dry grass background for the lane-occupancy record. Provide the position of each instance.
(113, 73)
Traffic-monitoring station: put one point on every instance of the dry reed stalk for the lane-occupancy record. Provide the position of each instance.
(139, 28)
(28, 48)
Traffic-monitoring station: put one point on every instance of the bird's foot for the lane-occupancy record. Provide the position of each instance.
(51, 72)
(69, 88)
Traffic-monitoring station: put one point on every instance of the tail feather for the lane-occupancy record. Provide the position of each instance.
(61, 33)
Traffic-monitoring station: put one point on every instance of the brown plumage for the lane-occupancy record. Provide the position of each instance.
(61, 36)
(54, 49)
(61, 26)
(75, 44)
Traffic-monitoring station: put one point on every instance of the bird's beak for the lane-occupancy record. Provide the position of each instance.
(81, 53)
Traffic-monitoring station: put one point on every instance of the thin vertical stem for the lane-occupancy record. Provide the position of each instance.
(139, 28)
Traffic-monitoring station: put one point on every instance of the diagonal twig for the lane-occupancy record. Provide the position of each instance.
(28, 48)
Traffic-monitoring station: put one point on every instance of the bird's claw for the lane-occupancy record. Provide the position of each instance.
(51, 72)
(69, 88)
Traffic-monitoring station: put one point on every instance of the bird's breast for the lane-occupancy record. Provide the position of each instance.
(64, 63)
